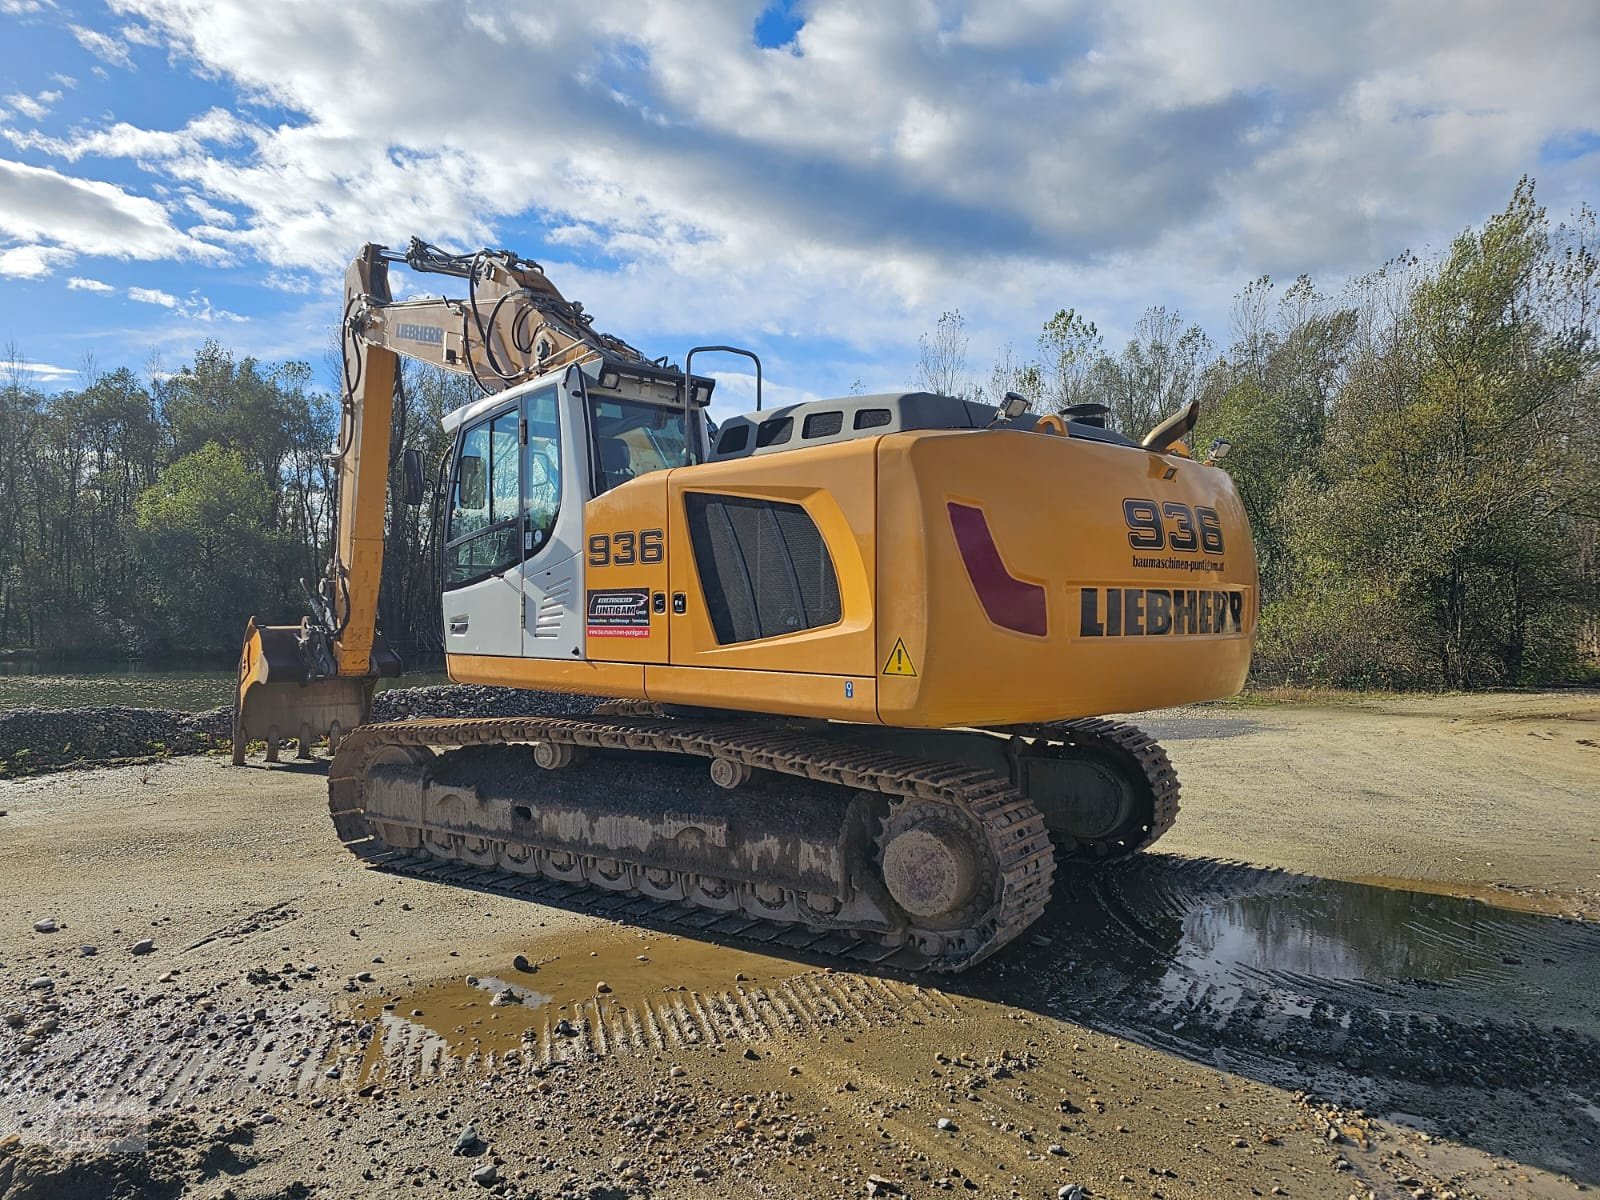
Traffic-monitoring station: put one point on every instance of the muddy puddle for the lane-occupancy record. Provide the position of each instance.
(1205, 957)
(545, 1002)
(1176, 923)
(1356, 932)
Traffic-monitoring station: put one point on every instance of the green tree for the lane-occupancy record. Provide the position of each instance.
(1457, 473)
(1271, 397)
(205, 531)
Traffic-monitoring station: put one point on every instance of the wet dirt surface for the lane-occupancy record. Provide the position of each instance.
(1183, 1025)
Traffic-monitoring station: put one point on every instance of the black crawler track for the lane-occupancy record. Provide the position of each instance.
(1017, 856)
(1139, 758)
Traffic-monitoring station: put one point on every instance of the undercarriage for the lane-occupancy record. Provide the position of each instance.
(927, 849)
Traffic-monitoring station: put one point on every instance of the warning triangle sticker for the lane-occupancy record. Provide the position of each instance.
(899, 661)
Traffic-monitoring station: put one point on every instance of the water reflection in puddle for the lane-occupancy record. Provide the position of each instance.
(1334, 930)
(1195, 932)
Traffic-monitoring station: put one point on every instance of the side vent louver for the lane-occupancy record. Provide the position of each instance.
(763, 567)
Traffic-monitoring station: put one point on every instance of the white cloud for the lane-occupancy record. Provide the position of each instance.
(153, 296)
(35, 108)
(207, 211)
(1008, 156)
(79, 284)
(105, 48)
(85, 216)
(44, 372)
(196, 308)
(32, 261)
(122, 140)
(22, 8)
(140, 35)
(286, 281)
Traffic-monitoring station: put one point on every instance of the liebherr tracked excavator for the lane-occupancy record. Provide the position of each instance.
(855, 652)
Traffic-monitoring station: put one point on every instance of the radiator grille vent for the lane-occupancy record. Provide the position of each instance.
(763, 566)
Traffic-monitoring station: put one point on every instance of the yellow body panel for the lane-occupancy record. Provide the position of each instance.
(837, 486)
(1055, 509)
(620, 560)
(790, 693)
(985, 578)
(361, 514)
(621, 680)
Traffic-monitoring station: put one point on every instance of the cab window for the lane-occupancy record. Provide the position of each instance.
(633, 438)
(541, 469)
(485, 525)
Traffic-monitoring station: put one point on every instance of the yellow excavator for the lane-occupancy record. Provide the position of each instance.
(855, 653)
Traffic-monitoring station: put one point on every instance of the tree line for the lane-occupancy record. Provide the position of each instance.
(151, 515)
(1417, 457)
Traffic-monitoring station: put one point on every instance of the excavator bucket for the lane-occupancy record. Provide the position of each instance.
(285, 692)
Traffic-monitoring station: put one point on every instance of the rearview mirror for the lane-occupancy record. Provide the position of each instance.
(411, 477)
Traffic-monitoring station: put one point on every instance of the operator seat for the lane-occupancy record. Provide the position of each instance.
(616, 462)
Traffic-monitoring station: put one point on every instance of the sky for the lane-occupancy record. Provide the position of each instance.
(816, 179)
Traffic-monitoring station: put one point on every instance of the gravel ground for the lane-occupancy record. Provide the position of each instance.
(261, 1016)
(41, 739)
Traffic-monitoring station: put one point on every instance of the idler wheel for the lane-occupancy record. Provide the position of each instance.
(729, 773)
(928, 868)
(554, 756)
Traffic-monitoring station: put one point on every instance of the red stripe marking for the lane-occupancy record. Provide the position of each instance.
(1009, 602)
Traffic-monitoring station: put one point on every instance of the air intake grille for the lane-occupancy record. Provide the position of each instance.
(764, 567)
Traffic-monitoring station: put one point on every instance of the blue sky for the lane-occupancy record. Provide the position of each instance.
(816, 179)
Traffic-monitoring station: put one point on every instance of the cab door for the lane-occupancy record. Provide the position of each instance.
(483, 591)
(554, 452)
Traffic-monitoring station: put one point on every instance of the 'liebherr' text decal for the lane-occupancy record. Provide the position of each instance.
(1159, 612)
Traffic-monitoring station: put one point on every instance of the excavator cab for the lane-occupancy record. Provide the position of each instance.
(526, 461)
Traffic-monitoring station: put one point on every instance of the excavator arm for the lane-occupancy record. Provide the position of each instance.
(317, 679)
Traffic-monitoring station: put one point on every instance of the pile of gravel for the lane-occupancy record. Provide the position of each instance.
(39, 739)
(35, 739)
(474, 700)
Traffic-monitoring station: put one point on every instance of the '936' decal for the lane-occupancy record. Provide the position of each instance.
(627, 548)
(1172, 526)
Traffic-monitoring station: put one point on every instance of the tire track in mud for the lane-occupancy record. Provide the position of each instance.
(1286, 974)
(398, 1048)
(229, 1043)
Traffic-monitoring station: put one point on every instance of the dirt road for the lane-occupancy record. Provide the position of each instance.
(1353, 969)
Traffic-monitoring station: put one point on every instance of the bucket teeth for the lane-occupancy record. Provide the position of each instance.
(279, 699)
